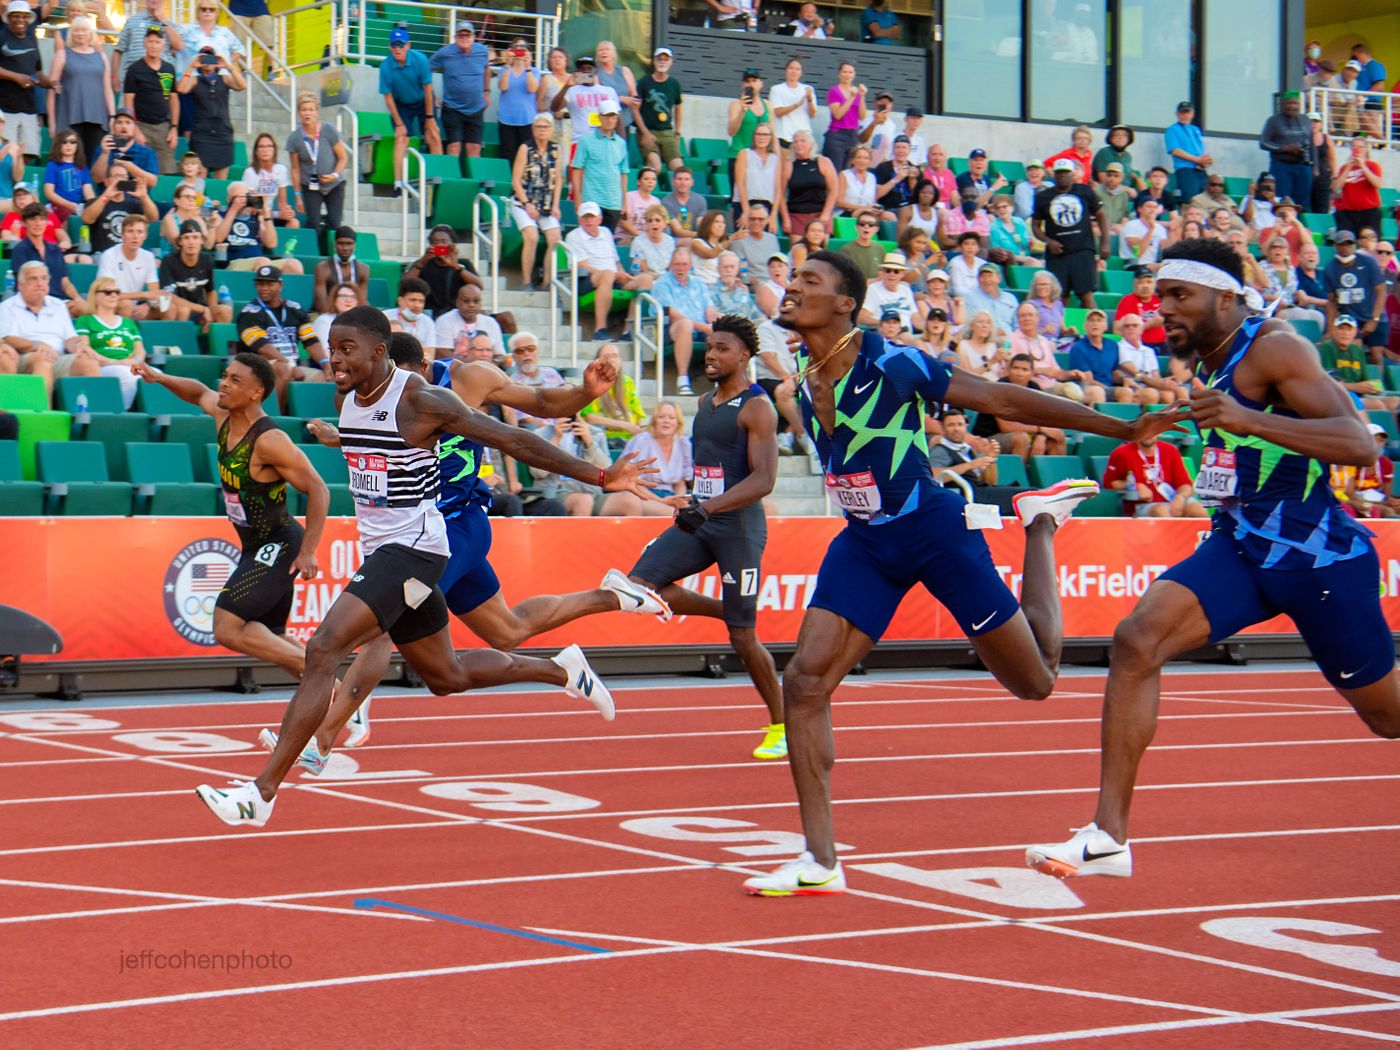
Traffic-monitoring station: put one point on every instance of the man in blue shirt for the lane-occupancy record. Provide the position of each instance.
(598, 172)
(1356, 286)
(1187, 148)
(880, 25)
(1098, 356)
(406, 83)
(1371, 78)
(465, 66)
(686, 300)
(256, 22)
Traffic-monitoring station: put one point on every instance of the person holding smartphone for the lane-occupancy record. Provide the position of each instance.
(123, 195)
(442, 271)
(518, 84)
(746, 112)
(207, 83)
(121, 144)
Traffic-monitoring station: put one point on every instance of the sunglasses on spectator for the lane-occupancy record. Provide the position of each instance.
(108, 291)
(1384, 251)
(395, 47)
(868, 225)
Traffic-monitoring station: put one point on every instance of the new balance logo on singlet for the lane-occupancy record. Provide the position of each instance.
(380, 417)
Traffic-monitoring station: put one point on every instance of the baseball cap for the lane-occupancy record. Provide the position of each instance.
(122, 111)
(608, 106)
(18, 7)
(589, 208)
(1314, 115)
(584, 60)
(779, 256)
(1035, 165)
(979, 152)
(884, 94)
(154, 29)
(1182, 107)
(936, 275)
(914, 112)
(752, 73)
(190, 226)
(1094, 311)
(23, 186)
(398, 36)
(938, 314)
(1344, 321)
(465, 27)
(663, 51)
(1374, 428)
(1353, 64)
(1065, 164)
(901, 138)
(890, 313)
(267, 273)
(1340, 236)
(1115, 166)
(895, 261)
(987, 267)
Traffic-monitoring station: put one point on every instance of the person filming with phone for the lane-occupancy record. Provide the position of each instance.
(442, 271)
(247, 235)
(122, 195)
(746, 112)
(207, 82)
(120, 144)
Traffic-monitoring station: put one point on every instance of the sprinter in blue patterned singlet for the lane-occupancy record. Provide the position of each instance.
(1272, 421)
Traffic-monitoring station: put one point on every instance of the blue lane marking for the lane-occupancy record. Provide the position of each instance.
(375, 902)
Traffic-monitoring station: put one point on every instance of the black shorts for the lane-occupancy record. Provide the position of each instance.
(734, 543)
(1077, 272)
(463, 127)
(411, 115)
(382, 583)
(261, 587)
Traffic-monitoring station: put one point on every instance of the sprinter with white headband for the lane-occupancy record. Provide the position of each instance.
(1272, 421)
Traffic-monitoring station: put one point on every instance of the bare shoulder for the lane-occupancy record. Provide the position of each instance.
(473, 381)
(758, 416)
(1279, 348)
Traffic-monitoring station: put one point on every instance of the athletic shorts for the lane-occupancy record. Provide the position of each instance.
(868, 569)
(412, 115)
(385, 582)
(1337, 609)
(468, 579)
(524, 222)
(1077, 272)
(733, 543)
(261, 587)
(463, 127)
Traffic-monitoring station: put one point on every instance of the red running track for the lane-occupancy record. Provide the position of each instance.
(581, 880)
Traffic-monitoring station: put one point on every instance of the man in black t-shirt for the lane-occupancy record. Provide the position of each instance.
(1064, 219)
(23, 68)
(659, 118)
(188, 278)
(443, 272)
(149, 92)
(106, 212)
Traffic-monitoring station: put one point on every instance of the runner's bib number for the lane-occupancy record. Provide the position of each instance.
(369, 479)
(233, 506)
(709, 482)
(1216, 480)
(854, 493)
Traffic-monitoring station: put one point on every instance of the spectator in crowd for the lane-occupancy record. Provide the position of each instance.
(858, 185)
(1169, 200)
(271, 181)
(343, 297)
(525, 353)
(1254, 275)
(1080, 152)
(39, 329)
(753, 242)
(11, 163)
(12, 226)
(730, 295)
(516, 88)
(111, 336)
(207, 84)
(1009, 235)
(1357, 185)
(1115, 199)
(880, 133)
(1324, 163)
(652, 251)
(1346, 358)
(967, 217)
(1020, 439)
(1258, 208)
(775, 370)
(1138, 367)
(768, 294)
(867, 253)
(537, 182)
(1356, 286)
(1288, 139)
(1366, 241)
(918, 145)
(964, 267)
(663, 441)
(204, 32)
(582, 97)
(922, 256)
(1047, 296)
(1153, 480)
(1186, 146)
(746, 113)
(1144, 302)
(22, 66)
(1371, 78)
(1214, 199)
(600, 166)
(923, 212)
(981, 178)
(67, 181)
(1115, 151)
(341, 268)
(187, 277)
(618, 77)
(121, 144)
(106, 212)
(130, 48)
(149, 92)
(1344, 102)
(889, 291)
(938, 173)
(1141, 240)
(1222, 224)
(1065, 217)
(758, 178)
(35, 246)
(1283, 284)
(1365, 492)
(792, 103)
(620, 410)
(684, 205)
(989, 296)
(135, 270)
(954, 453)
(809, 25)
(846, 101)
(937, 297)
(979, 350)
(247, 230)
(255, 25)
(318, 159)
(938, 336)
(467, 319)
(897, 180)
(1311, 291)
(412, 312)
(880, 25)
(658, 116)
(1311, 54)
(814, 239)
(710, 240)
(689, 310)
(576, 437)
(1287, 226)
(599, 266)
(1027, 341)
(1097, 356)
(1025, 191)
(79, 98)
(466, 90)
(406, 83)
(811, 187)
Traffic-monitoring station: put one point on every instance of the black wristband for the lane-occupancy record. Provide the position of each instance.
(689, 519)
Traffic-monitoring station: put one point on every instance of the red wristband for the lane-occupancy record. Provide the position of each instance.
(602, 478)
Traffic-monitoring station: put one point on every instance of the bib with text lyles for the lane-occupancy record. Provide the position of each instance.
(369, 479)
(1216, 480)
(856, 493)
(233, 506)
(709, 482)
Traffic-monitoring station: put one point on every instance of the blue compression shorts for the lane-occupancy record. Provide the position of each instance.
(468, 579)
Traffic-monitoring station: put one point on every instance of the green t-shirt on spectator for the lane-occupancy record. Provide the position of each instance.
(116, 342)
(867, 256)
(1349, 364)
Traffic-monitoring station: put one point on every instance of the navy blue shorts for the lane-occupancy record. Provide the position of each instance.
(411, 114)
(868, 569)
(468, 579)
(1337, 609)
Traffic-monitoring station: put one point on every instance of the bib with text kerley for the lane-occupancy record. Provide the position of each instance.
(1216, 480)
(369, 479)
(709, 482)
(856, 493)
(233, 506)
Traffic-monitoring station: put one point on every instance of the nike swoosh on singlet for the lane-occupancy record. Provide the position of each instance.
(863, 389)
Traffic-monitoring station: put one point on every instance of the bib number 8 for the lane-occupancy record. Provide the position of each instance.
(267, 554)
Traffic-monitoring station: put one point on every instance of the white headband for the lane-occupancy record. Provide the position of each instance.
(1193, 272)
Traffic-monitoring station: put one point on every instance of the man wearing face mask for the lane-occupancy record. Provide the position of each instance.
(412, 313)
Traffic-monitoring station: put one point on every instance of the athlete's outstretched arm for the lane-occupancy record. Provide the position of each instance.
(476, 383)
(1329, 430)
(190, 390)
(447, 412)
(277, 450)
(761, 421)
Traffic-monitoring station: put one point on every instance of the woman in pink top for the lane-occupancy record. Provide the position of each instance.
(633, 221)
(846, 100)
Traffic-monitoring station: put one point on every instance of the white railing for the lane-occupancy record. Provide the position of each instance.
(568, 286)
(1344, 113)
(492, 240)
(641, 341)
(945, 476)
(344, 115)
(494, 27)
(241, 29)
(412, 193)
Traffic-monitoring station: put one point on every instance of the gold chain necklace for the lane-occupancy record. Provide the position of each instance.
(813, 366)
(1201, 363)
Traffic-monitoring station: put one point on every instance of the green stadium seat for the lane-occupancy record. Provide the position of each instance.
(1011, 470)
(75, 473)
(311, 400)
(203, 367)
(490, 170)
(1047, 470)
(1117, 411)
(844, 226)
(1075, 316)
(1386, 419)
(299, 288)
(1307, 328)
(23, 393)
(1104, 505)
(709, 151)
(1095, 445)
(223, 339)
(40, 426)
(194, 431)
(18, 497)
(382, 292)
(114, 432)
(82, 275)
(1117, 281)
(206, 463)
(292, 426)
(1019, 277)
(1014, 170)
(330, 464)
(436, 168)
(452, 203)
(160, 335)
(1097, 465)
(156, 400)
(164, 480)
(103, 393)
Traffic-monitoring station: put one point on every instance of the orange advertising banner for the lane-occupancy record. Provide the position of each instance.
(133, 588)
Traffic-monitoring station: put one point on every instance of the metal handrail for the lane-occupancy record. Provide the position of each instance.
(290, 103)
(493, 240)
(354, 139)
(556, 286)
(958, 480)
(418, 193)
(641, 340)
(280, 22)
(546, 25)
(1324, 101)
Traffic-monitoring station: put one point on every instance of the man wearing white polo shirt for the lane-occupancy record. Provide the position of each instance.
(599, 267)
(39, 329)
(890, 292)
(468, 320)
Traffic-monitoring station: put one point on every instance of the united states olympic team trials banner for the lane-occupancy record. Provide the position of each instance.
(126, 588)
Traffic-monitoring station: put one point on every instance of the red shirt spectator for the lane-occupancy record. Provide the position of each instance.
(1357, 192)
(1083, 161)
(1153, 334)
(1159, 470)
(13, 225)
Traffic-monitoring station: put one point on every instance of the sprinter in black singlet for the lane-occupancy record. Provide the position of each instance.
(735, 451)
